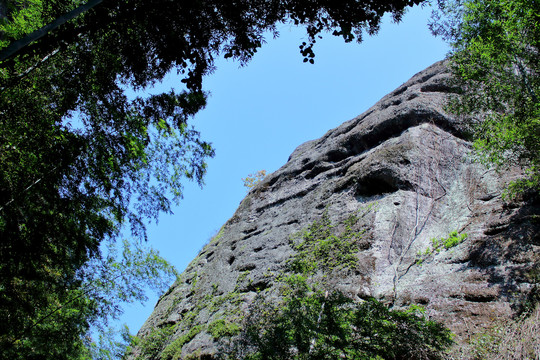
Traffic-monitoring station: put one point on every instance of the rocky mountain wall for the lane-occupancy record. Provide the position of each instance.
(410, 160)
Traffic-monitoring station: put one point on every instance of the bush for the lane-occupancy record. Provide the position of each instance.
(453, 239)
(314, 324)
(252, 180)
(223, 328)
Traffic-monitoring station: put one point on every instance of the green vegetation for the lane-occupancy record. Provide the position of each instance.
(312, 324)
(314, 320)
(108, 345)
(122, 274)
(83, 164)
(496, 62)
(223, 328)
(319, 249)
(304, 316)
(159, 344)
(453, 239)
(154, 343)
(173, 351)
(218, 236)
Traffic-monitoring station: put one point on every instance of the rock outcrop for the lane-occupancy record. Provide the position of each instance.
(410, 159)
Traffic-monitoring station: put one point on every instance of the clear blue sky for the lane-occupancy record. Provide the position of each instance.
(258, 114)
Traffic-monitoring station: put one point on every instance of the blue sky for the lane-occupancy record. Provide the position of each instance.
(258, 114)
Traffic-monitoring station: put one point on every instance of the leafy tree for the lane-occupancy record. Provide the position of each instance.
(101, 287)
(81, 161)
(495, 58)
(63, 192)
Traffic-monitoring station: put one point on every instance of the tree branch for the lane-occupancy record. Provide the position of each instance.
(16, 46)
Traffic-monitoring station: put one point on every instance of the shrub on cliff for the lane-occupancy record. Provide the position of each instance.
(310, 323)
(314, 320)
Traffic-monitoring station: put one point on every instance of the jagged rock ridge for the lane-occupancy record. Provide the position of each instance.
(410, 158)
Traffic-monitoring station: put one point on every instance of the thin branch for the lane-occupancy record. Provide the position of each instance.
(27, 188)
(16, 46)
(29, 70)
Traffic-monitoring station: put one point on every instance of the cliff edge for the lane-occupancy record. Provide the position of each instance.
(411, 161)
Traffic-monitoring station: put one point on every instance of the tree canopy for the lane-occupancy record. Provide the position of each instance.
(81, 160)
(496, 58)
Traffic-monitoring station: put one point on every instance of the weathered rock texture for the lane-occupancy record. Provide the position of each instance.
(410, 158)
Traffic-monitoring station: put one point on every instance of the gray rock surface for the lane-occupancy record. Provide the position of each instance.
(410, 159)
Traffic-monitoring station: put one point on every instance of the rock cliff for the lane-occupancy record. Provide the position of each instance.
(412, 161)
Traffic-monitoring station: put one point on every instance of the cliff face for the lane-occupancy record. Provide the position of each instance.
(406, 156)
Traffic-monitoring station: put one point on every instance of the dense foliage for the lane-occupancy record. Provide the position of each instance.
(315, 320)
(496, 59)
(81, 160)
(65, 189)
(310, 323)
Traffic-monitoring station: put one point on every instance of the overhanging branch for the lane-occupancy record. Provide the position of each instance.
(16, 46)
